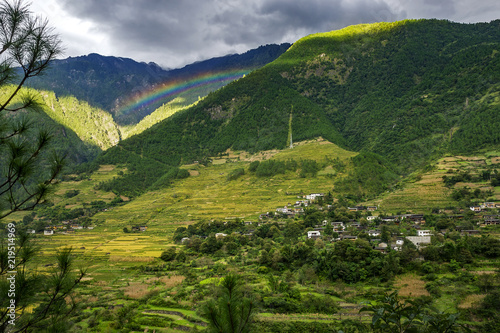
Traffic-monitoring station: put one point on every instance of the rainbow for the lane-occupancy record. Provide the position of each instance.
(170, 88)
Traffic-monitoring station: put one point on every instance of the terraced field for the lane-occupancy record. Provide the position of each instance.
(427, 190)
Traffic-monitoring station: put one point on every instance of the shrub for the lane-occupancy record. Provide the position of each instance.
(169, 254)
(253, 166)
(282, 304)
(71, 193)
(235, 174)
(433, 289)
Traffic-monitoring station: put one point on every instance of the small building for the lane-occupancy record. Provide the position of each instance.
(374, 233)
(422, 233)
(283, 210)
(371, 208)
(337, 226)
(313, 234)
(220, 235)
(371, 218)
(184, 240)
(382, 247)
(475, 208)
(48, 232)
(491, 219)
(314, 196)
(356, 225)
(301, 203)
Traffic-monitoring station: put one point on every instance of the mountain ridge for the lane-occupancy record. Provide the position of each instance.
(394, 89)
(107, 82)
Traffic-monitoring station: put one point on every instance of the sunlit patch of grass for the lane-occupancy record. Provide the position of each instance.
(115, 258)
(411, 285)
(136, 290)
(471, 301)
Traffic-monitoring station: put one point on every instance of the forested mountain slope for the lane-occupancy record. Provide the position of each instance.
(408, 90)
(403, 89)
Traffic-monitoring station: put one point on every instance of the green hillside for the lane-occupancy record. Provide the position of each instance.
(79, 132)
(399, 88)
(163, 112)
(408, 91)
(92, 125)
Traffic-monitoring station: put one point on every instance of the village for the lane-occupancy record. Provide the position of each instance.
(337, 230)
(383, 232)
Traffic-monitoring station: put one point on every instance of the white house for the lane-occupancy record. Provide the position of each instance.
(48, 232)
(422, 233)
(371, 218)
(283, 210)
(374, 233)
(313, 234)
(220, 235)
(314, 196)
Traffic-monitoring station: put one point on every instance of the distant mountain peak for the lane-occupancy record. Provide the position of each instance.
(107, 81)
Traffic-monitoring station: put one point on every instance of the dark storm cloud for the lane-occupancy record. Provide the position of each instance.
(189, 30)
(175, 33)
(275, 20)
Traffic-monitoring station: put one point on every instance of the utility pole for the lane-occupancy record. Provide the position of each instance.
(290, 129)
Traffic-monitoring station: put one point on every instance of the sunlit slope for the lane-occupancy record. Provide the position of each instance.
(92, 125)
(427, 191)
(162, 113)
(78, 132)
(208, 194)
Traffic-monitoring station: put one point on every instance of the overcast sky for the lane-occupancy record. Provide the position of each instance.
(174, 33)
